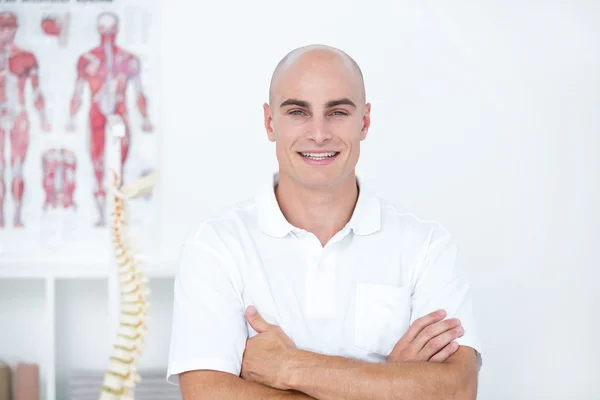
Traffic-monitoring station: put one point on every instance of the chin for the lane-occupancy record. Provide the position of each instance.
(316, 176)
(318, 180)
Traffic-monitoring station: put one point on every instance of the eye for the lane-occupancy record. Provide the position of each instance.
(296, 112)
(339, 113)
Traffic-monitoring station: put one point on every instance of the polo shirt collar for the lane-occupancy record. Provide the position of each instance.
(270, 218)
(366, 218)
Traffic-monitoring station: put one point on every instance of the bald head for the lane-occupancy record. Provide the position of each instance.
(309, 56)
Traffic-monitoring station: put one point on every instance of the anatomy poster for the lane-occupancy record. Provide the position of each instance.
(66, 69)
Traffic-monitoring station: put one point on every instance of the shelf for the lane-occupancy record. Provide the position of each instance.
(66, 325)
(80, 328)
(24, 320)
(61, 270)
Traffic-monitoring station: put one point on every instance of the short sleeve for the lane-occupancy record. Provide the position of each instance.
(441, 282)
(209, 330)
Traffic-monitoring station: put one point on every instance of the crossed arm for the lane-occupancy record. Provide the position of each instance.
(273, 368)
(330, 377)
(200, 385)
(425, 364)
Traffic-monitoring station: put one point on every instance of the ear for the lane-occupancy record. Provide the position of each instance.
(366, 121)
(269, 122)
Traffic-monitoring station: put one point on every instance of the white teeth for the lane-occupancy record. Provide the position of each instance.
(318, 156)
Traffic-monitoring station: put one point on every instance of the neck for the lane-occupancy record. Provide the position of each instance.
(323, 211)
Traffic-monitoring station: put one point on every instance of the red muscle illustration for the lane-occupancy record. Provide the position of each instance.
(17, 67)
(59, 167)
(51, 26)
(107, 70)
(57, 26)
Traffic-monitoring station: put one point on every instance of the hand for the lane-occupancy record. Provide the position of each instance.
(267, 353)
(429, 338)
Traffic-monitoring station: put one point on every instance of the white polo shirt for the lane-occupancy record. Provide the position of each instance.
(354, 297)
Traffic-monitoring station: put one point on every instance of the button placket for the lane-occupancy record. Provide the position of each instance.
(317, 254)
(328, 260)
(320, 293)
(320, 285)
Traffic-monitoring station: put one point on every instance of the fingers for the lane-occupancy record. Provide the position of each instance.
(433, 330)
(255, 320)
(421, 323)
(441, 340)
(446, 352)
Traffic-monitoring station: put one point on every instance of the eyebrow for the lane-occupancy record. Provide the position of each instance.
(329, 104)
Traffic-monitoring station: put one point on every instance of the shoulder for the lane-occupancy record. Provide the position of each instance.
(224, 229)
(413, 230)
(216, 244)
(421, 241)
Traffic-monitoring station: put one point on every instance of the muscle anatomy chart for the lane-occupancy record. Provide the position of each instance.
(65, 72)
(18, 67)
(107, 70)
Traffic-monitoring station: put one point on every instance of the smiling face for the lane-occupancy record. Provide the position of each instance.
(317, 117)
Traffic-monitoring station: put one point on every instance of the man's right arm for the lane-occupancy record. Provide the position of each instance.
(197, 385)
(209, 330)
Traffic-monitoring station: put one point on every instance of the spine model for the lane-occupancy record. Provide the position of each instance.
(122, 376)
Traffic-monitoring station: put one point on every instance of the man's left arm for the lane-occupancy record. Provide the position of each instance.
(272, 359)
(329, 377)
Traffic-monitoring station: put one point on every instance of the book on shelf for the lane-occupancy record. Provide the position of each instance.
(5, 381)
(27, 381)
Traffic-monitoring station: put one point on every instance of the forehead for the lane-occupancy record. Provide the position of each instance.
(318, 79)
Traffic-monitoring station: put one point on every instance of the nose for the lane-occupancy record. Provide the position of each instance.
(319, 131)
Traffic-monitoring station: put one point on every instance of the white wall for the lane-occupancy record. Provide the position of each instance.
(484, 117)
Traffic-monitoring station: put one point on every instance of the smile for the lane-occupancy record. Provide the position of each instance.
(319, 156)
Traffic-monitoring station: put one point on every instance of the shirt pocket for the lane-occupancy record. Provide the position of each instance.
(381, 317)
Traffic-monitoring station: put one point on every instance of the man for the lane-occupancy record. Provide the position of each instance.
(316, 288)
(17, 67)
(107, 69)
